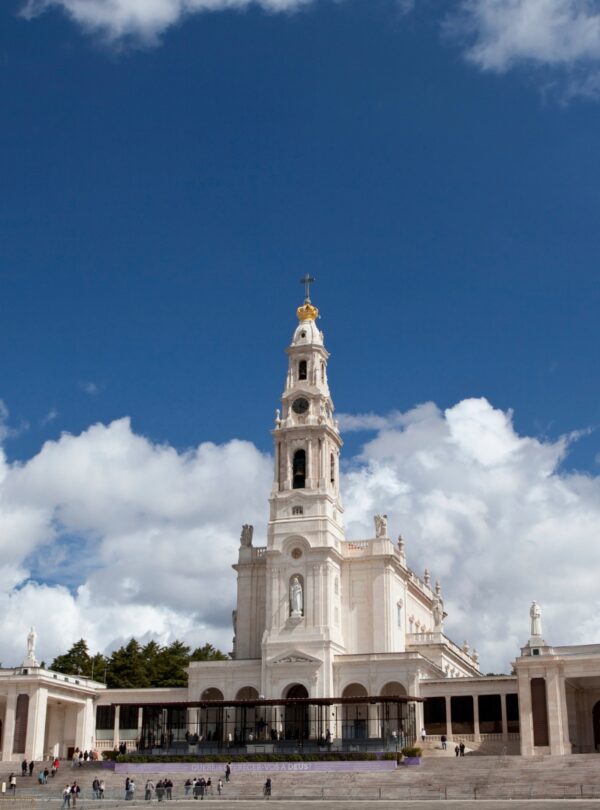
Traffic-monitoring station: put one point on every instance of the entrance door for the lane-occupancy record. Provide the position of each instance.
(296, 715)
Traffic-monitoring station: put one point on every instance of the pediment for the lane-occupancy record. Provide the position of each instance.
(295, 657)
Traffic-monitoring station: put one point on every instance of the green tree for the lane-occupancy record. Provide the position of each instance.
(208, 653)
(133, 666)
(78, 661)
(171, 664)
(127, 668)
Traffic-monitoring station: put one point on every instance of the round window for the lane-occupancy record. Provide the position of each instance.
(296, 553)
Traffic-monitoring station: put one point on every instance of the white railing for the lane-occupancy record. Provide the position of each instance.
(108, 745)
(424, 638)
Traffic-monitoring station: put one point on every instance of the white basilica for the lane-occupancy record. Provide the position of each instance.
(338, 644)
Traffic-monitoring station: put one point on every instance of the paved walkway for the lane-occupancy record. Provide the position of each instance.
(301, 804)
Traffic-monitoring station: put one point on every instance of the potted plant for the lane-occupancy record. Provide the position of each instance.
(412, 755)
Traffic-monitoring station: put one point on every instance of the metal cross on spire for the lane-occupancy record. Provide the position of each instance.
(307, 281)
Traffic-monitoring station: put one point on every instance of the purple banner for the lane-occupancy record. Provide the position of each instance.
(266, 767)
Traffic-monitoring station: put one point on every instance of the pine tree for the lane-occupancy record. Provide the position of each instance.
(135, 667)
(127, 668)
(208, 653)
(171, 664)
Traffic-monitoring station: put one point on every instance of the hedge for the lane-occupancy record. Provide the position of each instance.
(353, 756)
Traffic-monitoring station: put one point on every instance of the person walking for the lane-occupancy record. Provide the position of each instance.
(169, 788)
(220, 786)
(75, 791)
(12, 781)
(31, 767)
(267, 788)
(187, 786)
(462, 748)
(24, 768)
(443, 741)
(101, 789)
(423, 734)
(96, 788)
(228, 772)
(457, 750)
(160, 790)
(148, 790)
(66, 797)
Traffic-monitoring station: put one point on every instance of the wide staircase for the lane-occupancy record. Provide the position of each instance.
(439, 777)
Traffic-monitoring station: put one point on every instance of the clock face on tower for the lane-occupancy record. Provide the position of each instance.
(300, 405)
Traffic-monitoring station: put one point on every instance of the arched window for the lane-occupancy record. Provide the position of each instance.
(322, 372)
(299, 470)
(302, 370)
(332, 468)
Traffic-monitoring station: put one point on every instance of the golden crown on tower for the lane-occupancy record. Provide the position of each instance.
(307, 312)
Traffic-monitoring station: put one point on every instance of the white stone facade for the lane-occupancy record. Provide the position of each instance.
(367, 618)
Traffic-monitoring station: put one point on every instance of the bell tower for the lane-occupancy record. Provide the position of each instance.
(303, 621)
(306, 436)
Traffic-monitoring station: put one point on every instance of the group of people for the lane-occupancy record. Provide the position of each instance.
(27, 767)
(459, 748)
(98, 788)
(70, 794)
(79, 757)
(163, 789)
(129, 789)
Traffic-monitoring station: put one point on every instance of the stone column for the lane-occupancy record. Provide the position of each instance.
(84, 733)
(140, 725)
(9, 725)
(526, 720)
(116, 737)
(36, 724)
(449, 717)
(504, 716)
(568, 748)
(413, 689)
(476, 733)
(287, 482)
(555, 698)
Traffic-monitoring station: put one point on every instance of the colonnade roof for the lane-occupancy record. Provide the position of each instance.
(299, 701)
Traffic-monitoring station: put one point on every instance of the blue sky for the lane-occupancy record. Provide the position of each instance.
(167, 178)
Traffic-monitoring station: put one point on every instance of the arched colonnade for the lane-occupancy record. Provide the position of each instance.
(356, 719)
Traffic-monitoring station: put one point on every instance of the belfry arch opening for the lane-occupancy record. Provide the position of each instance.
(302, 370)
(299, 470)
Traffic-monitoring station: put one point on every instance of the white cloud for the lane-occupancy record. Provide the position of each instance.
(144, 536)
(563, 35)
(49, 417)
(144, 20)
(89, 387)
(490, 513)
